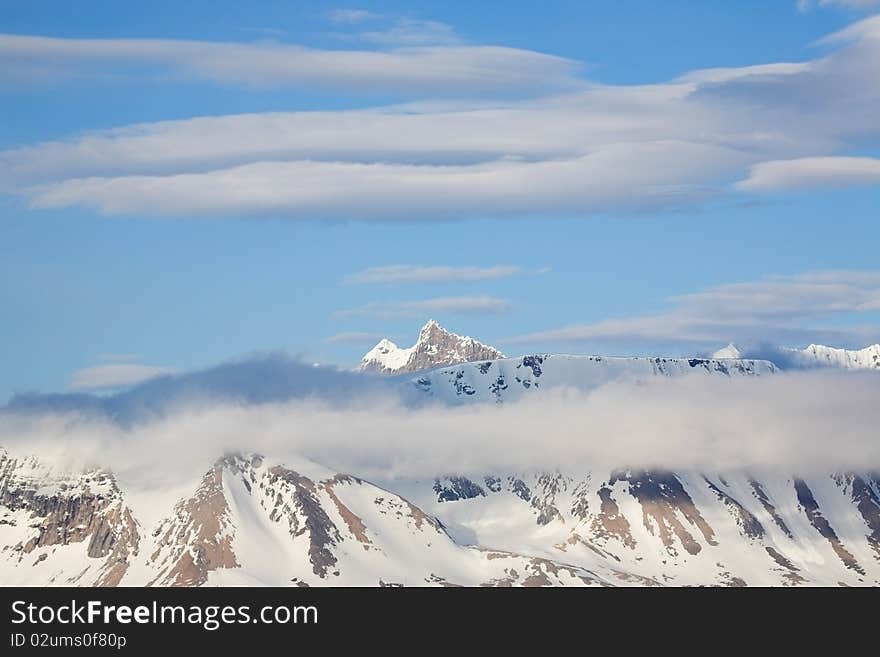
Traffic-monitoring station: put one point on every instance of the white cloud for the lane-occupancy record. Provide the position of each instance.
(863, 5)
(796, 422)
(354, 337)
(791, 310)
(115, 375)
(632, 178)
(812, 173)
(464, 305)
(472, 71)
(429, 274)
(407, 32)
(352, 16)
(598, 149)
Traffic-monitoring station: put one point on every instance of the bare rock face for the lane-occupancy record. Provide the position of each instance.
(197, 537)
(46, 513)
(435, 347)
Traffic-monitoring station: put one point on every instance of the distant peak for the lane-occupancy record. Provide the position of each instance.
(435, 347)
(433, 326)
(730, 351)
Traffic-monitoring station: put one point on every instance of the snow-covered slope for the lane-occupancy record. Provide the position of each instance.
(255, 521)
(730, 351)
(435, 347)
(851, 359)
(665, 528)
(252, 520)
(509, 378)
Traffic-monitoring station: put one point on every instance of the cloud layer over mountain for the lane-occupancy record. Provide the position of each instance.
(794, 422)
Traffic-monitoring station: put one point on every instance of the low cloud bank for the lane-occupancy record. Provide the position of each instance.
(257, 379)
(794, 422)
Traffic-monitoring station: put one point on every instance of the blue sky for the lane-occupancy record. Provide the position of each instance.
(573, 186)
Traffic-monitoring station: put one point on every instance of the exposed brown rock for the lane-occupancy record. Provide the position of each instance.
(662, 497)
(726, 578)
(355, 525)
(577, 539)
(197, 539)
(435, 347)
(547, 488)
(638, 579)
(88, 507)
(441, 581)
(610, 523)
(322, 533)
(791, 574)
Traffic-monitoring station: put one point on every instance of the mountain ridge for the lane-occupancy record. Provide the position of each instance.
(851, 359)
(508, 379)
(254, 520)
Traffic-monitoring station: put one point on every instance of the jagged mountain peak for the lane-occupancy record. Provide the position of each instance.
(436, 346)
(432, 324)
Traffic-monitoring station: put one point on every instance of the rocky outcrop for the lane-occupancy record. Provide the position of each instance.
(83, 513)
(435, 347)
(197, 538)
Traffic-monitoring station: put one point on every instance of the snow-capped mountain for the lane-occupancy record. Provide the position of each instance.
(851, 359)
(249, 521)
(507, 379)
(252, 520)
(435, 347)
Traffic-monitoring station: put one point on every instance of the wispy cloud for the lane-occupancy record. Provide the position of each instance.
(407, 32)
(352, 16)
(115, 375)
(465, 305)
(597, 149)
(862, 5)
(812, 173)
(788, 310)
(430, 274)
(354, 337)
(391, 31)
(417, 72)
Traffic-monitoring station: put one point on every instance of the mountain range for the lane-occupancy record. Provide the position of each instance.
(438, 347)
(254, 519)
